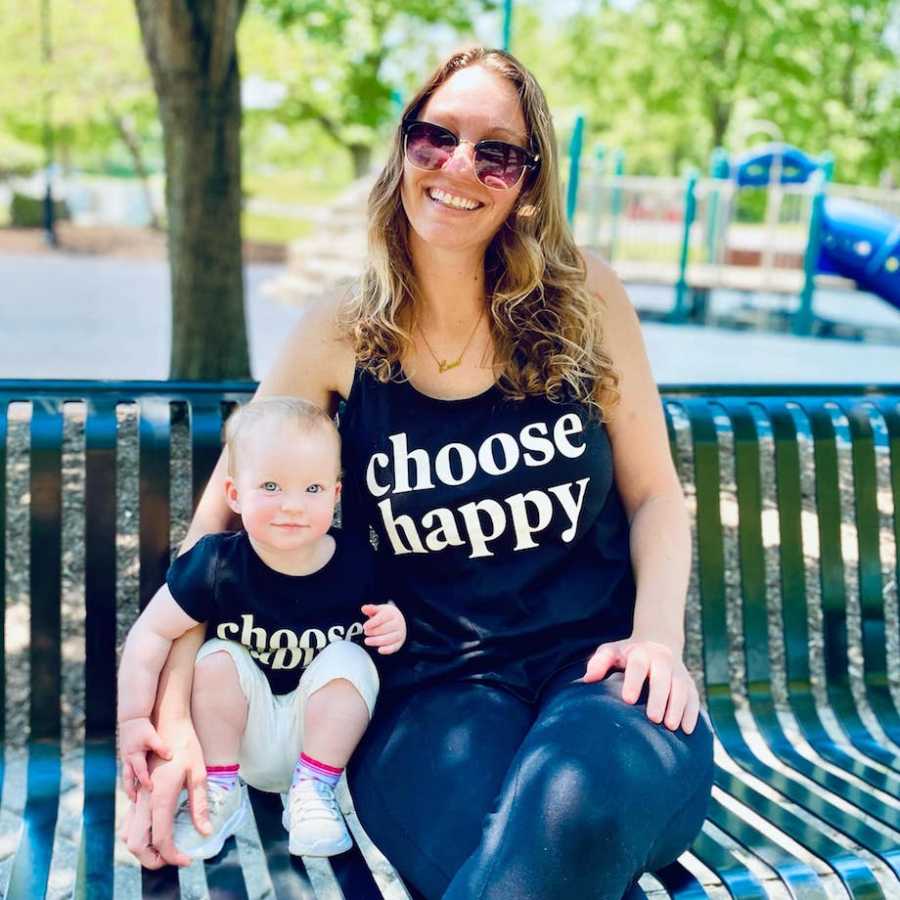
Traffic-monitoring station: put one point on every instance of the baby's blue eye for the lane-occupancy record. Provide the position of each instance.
(269, 486)
(315, 489)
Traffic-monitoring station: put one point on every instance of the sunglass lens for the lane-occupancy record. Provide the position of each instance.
(499, 165)
(428, 147)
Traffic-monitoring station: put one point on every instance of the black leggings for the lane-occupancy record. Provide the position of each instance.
(474, 794)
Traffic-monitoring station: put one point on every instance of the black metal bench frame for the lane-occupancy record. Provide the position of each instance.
(821, 458)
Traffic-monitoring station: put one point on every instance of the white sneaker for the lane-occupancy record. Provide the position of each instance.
(227, 809)
(314, 821)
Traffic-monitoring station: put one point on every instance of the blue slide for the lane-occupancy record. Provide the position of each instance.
(858, 241)
(862, 242)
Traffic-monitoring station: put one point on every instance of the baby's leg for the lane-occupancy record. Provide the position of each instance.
(337, 696)
(218, 708)
(335, 719)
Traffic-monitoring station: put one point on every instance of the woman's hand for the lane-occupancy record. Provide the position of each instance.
(386, 628)
(673, 694)
(135, 832)
(147, 830)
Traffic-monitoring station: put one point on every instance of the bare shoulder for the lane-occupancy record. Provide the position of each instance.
(603, 282)
(621, 327)
(316, 360)
(637, 431)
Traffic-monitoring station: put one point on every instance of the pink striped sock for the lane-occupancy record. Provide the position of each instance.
(224, 776)
(307, 767)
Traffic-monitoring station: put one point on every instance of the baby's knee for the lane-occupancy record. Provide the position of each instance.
(343, 653)
(214, 670)
(346, 662)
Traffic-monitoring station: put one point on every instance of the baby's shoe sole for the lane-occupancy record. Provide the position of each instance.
(319, 848)
(213, 845)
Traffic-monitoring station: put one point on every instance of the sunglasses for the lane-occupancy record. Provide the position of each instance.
(498, 165)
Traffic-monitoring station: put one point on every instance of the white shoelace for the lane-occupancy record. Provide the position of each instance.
(312, 800)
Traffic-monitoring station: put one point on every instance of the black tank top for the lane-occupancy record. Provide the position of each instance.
(500, 531)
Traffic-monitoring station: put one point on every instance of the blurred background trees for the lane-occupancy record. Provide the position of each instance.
(321, 84)
(666, 80)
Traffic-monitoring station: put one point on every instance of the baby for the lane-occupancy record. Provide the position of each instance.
(281, 693)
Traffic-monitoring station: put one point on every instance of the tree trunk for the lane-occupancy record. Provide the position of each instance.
(362, 159)
(720, 118)
(193, 57)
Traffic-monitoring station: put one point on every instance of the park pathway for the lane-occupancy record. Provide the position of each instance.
(76, 317)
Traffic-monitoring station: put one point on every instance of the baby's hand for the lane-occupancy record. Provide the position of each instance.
(386, 628)
(136, 738)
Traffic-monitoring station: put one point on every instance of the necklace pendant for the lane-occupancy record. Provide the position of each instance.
(444, 366)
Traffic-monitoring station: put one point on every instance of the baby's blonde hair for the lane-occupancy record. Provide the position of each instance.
(291, 410)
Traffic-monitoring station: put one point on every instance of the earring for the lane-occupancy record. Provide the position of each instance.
(526, 211)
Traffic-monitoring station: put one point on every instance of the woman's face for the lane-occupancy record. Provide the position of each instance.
(475, 104)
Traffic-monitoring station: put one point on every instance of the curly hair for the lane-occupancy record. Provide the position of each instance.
(545, 323)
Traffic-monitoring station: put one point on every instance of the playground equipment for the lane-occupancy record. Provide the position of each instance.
(767, 224)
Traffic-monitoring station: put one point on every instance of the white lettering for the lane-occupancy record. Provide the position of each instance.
(226, 628)
(392, 525)
(572, 507)
(446, 534)
(466, 460)
(355, 629)
(565, 425)
(524, 528)
(402, 457)
(335, 633)
(477, 537)
(311, 640)
(254, 638)
(282, 638)
(510, 454)
(376, 489)
(539, 444)
(287, 657)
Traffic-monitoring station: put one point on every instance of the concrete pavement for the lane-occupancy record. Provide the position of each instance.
(71, 317)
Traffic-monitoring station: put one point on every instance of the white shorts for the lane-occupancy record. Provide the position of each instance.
(273, 737)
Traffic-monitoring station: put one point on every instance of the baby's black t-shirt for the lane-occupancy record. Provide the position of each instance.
(283, 620)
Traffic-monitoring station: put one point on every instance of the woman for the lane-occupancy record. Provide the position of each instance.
(504, 438)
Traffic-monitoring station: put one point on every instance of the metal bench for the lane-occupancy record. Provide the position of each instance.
(792, 634)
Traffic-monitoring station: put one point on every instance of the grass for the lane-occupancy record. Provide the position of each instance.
(274, 230)
(293, 186)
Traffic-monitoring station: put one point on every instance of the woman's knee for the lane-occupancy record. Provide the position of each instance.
(567, 798)
(620, 797)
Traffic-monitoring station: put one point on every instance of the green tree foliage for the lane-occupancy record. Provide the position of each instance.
(338, 78)
(670, 79)
(96, 80)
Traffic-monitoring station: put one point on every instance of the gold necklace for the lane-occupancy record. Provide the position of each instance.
(442, 364)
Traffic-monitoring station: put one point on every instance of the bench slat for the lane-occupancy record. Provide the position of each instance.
(154, 435)
(4, 414)
(797, 497)
(100, 637)
(713, 586)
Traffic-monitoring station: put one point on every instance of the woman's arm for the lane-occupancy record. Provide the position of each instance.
(316, 363)
(660, 538)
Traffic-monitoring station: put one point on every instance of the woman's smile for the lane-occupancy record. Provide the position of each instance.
(449, 200)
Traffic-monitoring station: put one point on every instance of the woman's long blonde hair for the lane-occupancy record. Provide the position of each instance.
(546, 325)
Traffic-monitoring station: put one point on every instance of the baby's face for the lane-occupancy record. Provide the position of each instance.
(286, 485)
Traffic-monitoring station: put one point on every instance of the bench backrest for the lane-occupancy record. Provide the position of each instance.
(795, 496)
